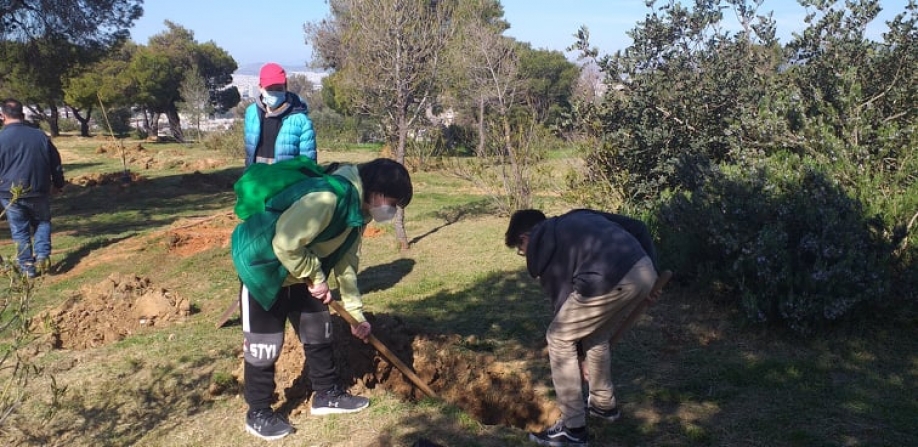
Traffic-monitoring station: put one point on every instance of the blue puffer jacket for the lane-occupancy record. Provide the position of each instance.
(296, 137)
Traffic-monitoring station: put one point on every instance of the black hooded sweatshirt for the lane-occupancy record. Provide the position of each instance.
(585, 251)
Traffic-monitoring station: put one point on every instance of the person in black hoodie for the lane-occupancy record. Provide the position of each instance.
(596, 268)
(30, 170)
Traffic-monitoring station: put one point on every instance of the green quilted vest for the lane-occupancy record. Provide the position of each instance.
(263, 193)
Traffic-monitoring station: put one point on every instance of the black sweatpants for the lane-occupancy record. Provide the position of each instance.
(263, 339)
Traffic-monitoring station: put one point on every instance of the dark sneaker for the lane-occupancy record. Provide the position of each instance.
(267, 425)
(559, 435)
(337, 400)
(610, 415)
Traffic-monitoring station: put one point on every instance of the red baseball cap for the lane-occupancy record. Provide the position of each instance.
(272, 74)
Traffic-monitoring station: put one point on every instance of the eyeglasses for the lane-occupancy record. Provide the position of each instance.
(524, 238)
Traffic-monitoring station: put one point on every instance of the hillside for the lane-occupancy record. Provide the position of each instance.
(141, 275)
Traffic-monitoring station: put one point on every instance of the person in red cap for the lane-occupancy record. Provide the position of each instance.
(277, 128)
(277, 124)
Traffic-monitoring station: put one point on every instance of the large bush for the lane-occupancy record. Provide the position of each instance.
(785, 242)
(712, 128)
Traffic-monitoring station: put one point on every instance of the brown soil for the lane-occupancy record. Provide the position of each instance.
(109, 311)
(494, 392)
(136, 156)
(195, 237)
(100, 179)
(371, 231)
(215, 231)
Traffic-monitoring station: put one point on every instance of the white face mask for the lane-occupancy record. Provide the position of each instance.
(273, 99)
(383, 213)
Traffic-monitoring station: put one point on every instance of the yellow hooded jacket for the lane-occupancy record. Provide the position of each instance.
(295, 246)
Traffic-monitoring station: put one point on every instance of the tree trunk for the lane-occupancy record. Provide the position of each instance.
(84, 121)
(521, 196)
(53, 120)
(151, 123)
(481, 126)
(400, 232)
(175, 124)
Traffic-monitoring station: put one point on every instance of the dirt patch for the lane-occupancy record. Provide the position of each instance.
(134, 155)
(138, 157)
(115, 149)
(371, 231)
(106, 312)
(204, 164)
(111, 178)
(195, 237)
(493, 392)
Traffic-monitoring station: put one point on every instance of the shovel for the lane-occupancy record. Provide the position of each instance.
(339, 309)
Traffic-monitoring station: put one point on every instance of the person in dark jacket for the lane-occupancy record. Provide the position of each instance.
(596, 268)
(30, 170)
(277, 125)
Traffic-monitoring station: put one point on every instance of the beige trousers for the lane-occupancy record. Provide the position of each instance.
(591, 321)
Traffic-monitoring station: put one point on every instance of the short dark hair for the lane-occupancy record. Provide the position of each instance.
(521, 222)
(12, 108)
(387, 177)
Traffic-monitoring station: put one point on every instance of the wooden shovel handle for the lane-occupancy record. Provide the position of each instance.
(662, 279)
(389, 355)
(225, 316)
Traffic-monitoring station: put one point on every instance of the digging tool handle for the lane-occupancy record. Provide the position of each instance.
(662, 279)
(225, 316)
(339, 309)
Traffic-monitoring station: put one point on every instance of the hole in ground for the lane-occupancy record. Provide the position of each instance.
(492, 391)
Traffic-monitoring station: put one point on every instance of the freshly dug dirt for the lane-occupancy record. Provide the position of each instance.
(494, 392)
(195, 237)
(106, 312)
(111, 178)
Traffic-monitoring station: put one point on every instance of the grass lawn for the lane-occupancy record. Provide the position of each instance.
(689, 374)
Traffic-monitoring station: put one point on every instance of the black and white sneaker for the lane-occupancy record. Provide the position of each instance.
(559, 436)
(267, 425)
(610, 415)
(335, 401)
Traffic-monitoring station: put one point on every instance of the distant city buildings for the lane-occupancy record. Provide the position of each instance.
(248, 84)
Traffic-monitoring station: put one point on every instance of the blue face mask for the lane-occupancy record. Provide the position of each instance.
(273, 99)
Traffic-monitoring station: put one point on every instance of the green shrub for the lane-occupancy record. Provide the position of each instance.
(120, 121)
(68, 125)
(229, 142)
(334, 129)
(789, 244)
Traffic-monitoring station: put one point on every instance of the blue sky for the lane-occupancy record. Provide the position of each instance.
(272, 30)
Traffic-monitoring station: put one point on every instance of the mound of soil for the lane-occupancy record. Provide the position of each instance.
(372, 231)
(203, 164)
(109, 311)
(116, 149)
(100, 179)
(492, 391)
(196, 237)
